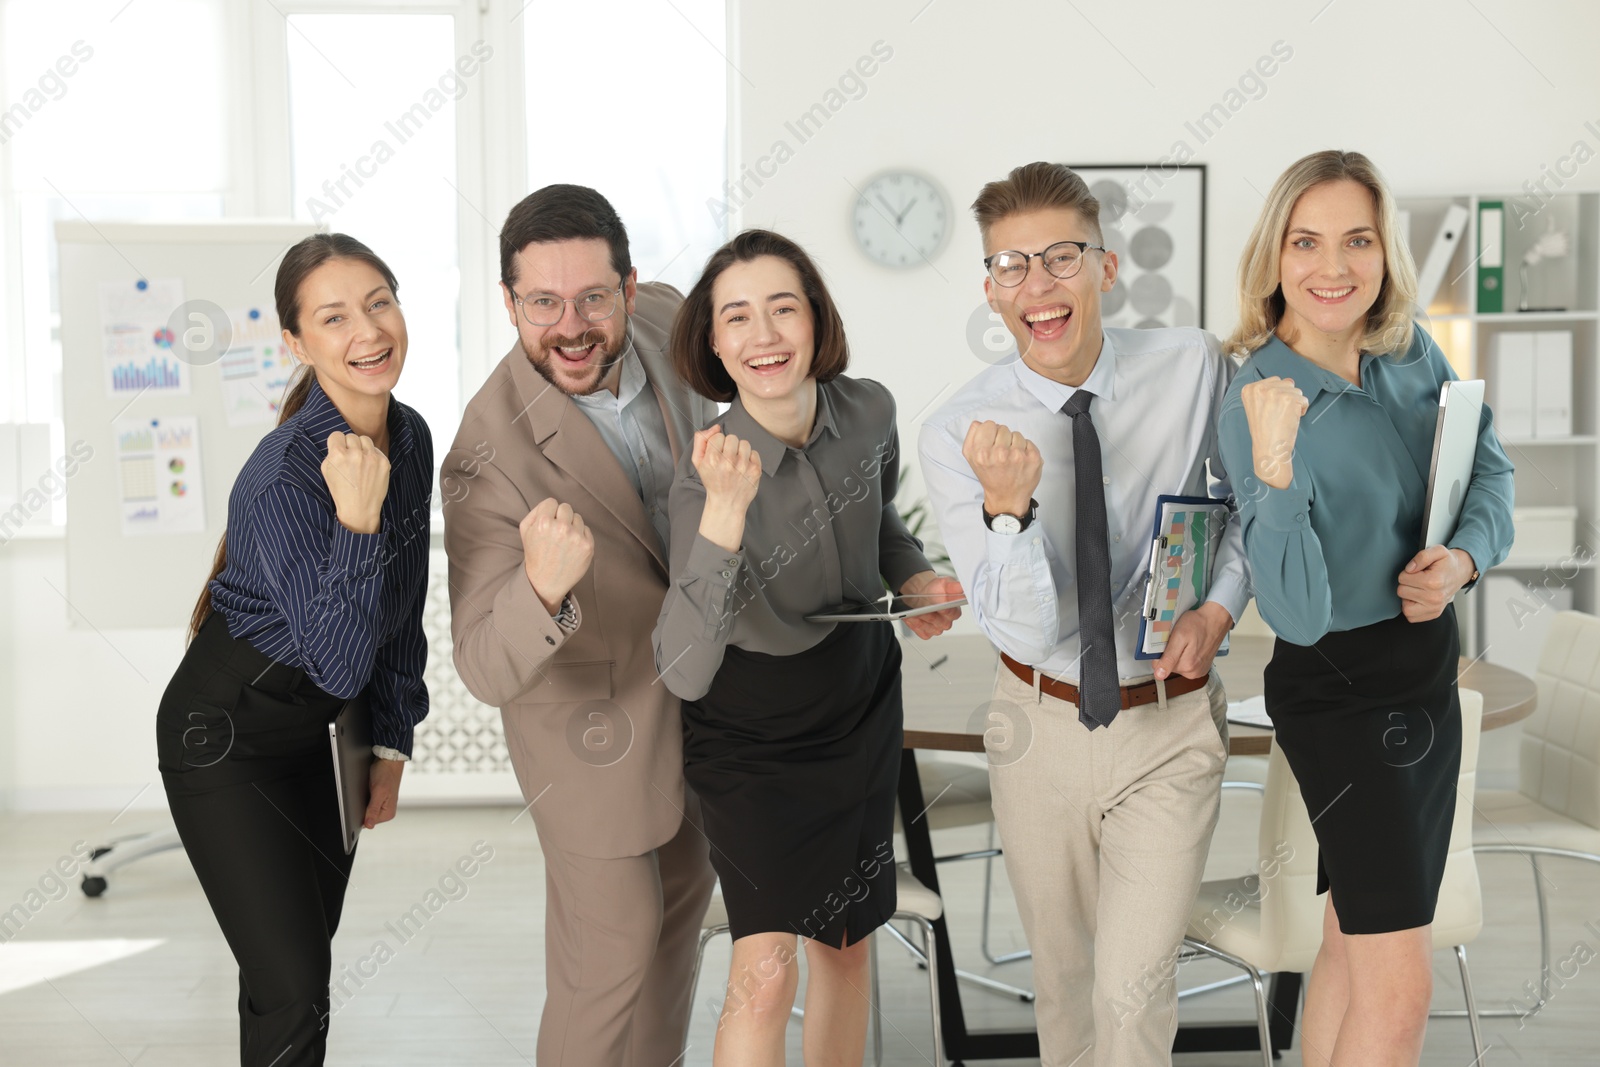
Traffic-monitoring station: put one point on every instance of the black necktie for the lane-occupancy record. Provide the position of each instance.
(1099, 696)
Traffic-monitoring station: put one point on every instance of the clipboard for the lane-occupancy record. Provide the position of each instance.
(1455, 449)
(1183, 556)
(350, 740)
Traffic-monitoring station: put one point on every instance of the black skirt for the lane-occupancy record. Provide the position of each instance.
(796, 760)
(1370, 722)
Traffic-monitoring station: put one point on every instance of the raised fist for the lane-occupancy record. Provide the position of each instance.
(1273, 408)
(357, 474)
(1007, 464)
(557, 549)
(729, 469)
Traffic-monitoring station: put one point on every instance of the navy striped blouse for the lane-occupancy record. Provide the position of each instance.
(344, 607)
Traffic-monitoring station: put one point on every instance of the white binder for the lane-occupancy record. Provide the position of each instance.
(1514, 366)
(1552, 383)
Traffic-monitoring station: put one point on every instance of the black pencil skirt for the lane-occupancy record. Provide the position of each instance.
(1370, 722)
(244, 755)
(796, 760)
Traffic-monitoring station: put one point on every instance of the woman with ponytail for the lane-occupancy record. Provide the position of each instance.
(315, 598)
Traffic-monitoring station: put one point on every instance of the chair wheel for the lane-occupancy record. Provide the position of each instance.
(93, 885)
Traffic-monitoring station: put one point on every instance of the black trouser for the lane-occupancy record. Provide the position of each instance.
(244, 755)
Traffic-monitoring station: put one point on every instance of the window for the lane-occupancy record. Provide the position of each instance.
(81, 144)
(643, 120)
(372, 122)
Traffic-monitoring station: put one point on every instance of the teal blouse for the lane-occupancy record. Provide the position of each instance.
(1326, 552)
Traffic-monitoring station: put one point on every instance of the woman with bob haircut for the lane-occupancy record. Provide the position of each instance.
(315, 598)
(792, 729)
(1331, 422)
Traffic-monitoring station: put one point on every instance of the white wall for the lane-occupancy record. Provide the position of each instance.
(82, 730)
(1431, 90)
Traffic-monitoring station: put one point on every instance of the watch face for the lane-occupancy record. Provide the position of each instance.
(901, 219)
(1006, 524)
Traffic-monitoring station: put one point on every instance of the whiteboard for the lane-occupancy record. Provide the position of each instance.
(115, 580)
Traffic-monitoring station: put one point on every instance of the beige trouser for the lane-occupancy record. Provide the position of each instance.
(1105, 835)
(620, 942)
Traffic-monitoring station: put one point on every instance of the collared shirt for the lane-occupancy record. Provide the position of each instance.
(1327, 551)
(1156, 397)
(632, 426)
(303, 589)
(820, 532)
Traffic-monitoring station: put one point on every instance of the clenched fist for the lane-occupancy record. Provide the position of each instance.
(1007, 464)
(357, 474)
(728, 467)
(557, 549)
(1272, 409)
(730, 470)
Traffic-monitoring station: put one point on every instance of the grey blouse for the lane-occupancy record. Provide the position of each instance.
(820, 531)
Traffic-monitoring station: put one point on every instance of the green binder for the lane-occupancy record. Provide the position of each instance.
(1491, 256)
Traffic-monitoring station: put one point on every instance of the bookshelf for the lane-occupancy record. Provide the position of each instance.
(1504, 619)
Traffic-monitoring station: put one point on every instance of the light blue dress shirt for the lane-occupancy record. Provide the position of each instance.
(632, 426)
(1327, 551)
(1157, 396)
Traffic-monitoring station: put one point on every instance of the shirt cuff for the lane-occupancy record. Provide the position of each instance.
(525, 609)
(1012, 548)
(354, 554)
(1284, 510)
(1232, 593)
(719, 570)
(567, 618)
(392, 736)
(385, 752)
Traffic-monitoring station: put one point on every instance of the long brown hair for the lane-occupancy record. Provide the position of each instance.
(690, 346)
(298, 263)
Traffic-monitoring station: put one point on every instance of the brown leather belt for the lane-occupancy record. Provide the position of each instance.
(1132, 695)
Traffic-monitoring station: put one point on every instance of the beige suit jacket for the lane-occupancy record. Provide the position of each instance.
(594, 736)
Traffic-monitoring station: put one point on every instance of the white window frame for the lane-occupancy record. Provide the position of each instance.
(487, 191)
(491, 156)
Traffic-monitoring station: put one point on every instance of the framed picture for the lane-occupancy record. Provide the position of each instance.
(1154, 218)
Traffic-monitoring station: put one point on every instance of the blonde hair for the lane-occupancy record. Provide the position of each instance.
(1389, 321)
(1036, 187)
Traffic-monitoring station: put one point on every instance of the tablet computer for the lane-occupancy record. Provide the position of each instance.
(350, 739)
(889, 609)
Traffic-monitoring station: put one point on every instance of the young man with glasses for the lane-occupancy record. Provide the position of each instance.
(1043, 472)
(556, 527)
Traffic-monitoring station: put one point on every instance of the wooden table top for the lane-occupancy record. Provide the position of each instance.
(949, 682)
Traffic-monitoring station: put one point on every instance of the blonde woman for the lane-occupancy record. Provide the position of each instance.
(1331, 421)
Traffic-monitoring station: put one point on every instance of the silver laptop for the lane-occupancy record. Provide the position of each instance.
(1455, 447)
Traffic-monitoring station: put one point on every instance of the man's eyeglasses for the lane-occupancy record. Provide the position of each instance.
(1062, 259)
(546, 309)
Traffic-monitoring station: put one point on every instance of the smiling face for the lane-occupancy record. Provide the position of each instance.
(1331, 266)
(1055, 321)
(575, 355)
(762, 328)
(351, 332)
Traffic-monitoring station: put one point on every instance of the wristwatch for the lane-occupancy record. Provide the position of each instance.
(1005, 523)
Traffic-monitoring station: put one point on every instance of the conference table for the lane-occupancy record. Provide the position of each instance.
(948, 684)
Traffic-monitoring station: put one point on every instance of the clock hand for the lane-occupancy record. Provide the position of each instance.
(902, 214)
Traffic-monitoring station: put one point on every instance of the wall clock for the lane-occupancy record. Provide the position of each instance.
(901, 219)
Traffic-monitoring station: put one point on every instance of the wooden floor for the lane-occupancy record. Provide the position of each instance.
(142, 976)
